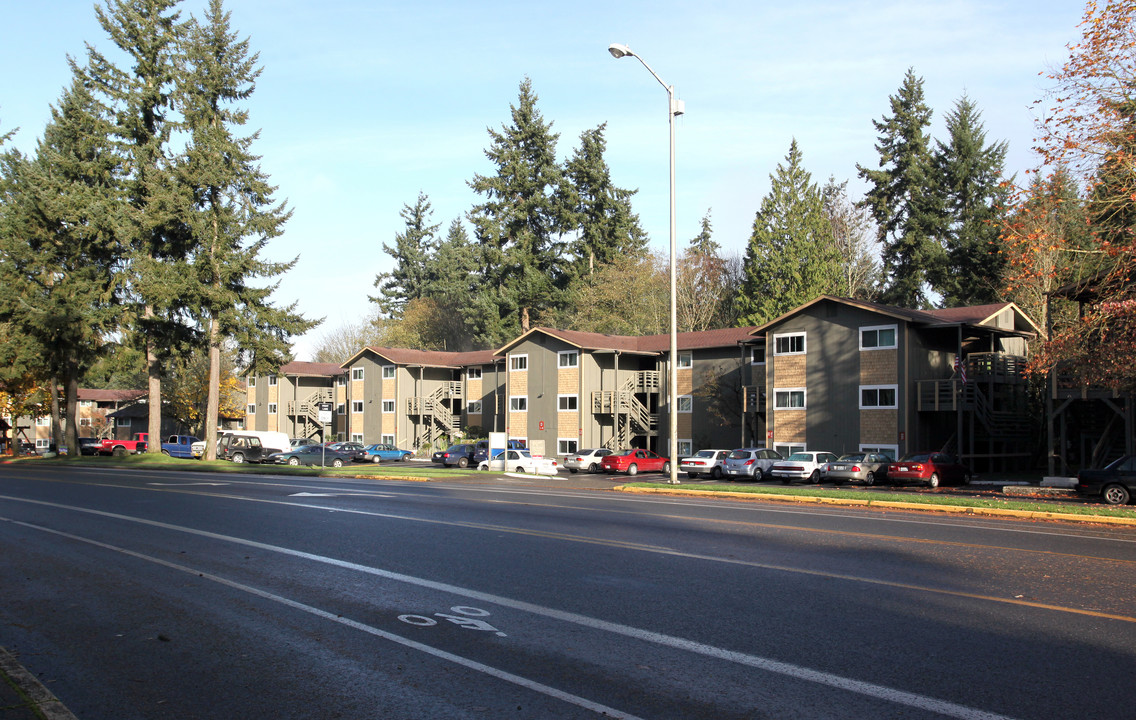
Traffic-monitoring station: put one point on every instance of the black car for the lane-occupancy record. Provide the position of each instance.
(356, 450)
(460, 455)
(1115, 483)
(311, 455)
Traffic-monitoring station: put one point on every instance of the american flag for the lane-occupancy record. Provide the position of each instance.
(960, 368)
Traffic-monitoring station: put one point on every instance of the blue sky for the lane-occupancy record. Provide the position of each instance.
(362, 105)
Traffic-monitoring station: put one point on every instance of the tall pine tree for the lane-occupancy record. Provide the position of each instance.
(900, 200)
(412, 251)
(791, 257)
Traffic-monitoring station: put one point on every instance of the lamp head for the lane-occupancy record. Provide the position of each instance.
(617, 51)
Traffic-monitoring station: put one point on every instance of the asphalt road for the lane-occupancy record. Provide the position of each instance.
(188, 595)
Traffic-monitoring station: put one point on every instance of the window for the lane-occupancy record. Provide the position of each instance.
(891, 451)
(271, 408)
(356, 406)
(789, 399)
(84, 421)
(340, 380)
(685, 448)
(567, 402)
(356, 373)
(43, 421)
(474, 408)
(473, 374)
(388, 406)
(757, 356)
(252, 380)
(251, 410)
(86, 403)
(388, 372)
(340, 409)
(881, 337)
(519, 403)
(566, 446)
(42, 443)
(685, 360)
(789, 344)
(568, 358)
(685, 403)
(125, 422)
(357, 437)
(271, 380)
(518, 362)
(878, 396)
(388, 439)
(787, 450)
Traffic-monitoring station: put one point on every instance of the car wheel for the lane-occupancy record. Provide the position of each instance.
(166, 453)
(1116, 495)
(692, 475)
(404, 458)
(520, 470)
(593, 468)
(238, 458)
(716, 473)
(293, 461)
(815, 478)
(572, 470)
(632, 469)
(337, 462)
(376, 459)
(933, 481)
(786, 480)
(118, 451)
(870, 479)
(463, 462)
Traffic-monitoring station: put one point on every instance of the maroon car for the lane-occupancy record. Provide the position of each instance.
(928, 468)
(634, 462)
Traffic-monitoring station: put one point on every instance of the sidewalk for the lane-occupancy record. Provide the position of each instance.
(22, 697)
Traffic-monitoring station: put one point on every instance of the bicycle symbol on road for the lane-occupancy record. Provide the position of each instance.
(464, 617)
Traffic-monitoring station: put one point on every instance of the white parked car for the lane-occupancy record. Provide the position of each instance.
(803, 466)
(751, 462)
(704, 462)
(520, 461)
(585, 460)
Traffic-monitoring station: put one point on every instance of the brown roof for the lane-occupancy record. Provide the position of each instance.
(972, 315)
(311, 369)
(646, 344)
(427, 358)
(105, 395)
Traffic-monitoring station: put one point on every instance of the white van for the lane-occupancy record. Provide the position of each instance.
(272, 441)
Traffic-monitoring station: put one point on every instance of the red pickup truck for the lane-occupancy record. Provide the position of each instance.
(118, 448)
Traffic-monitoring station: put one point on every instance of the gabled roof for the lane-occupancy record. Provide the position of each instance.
(975, 315)
(642, 345)
(425, 358)
(300, 368)
(105, 395)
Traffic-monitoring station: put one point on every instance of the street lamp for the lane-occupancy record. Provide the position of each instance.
(674, 108)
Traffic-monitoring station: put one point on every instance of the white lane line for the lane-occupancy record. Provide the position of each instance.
(798, 672)
(541, 688)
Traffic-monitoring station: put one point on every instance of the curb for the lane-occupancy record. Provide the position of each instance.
(40, 700)
(1024, 514)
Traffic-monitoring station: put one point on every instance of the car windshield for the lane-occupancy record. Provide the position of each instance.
(916, 457)
(739, 455)
(801, 457)
(854, 457)
(705, 454)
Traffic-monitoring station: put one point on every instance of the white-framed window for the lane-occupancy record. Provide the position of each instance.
(125, 421)
(251, 409)
(787, 450)
(86, 403)
(388, 406)
(519, 403)
(878, 337)
(252, 380)
(388, 372)
(788, 398)
(357, 437)
(685, 360)
(473, 408)
(685, 403)
(356, 373)
(567, 402)
(473, 373)
(789, 344)
(685, 448)
(271, 408)
(892, 451)
(567, 446)
(568, 358)
(878, 396)
(271, 380)
(340, 380)
(356, 406)
(387, 439)
(518, 362)
(757, 356)
(43, 421)
(84, 422)
(42, 443)
(340, 409)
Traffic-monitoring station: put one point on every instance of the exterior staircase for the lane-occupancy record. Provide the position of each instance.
(306, 411)
(438, 418)
(631, 416)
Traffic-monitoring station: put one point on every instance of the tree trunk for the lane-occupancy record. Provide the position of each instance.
(56, 425)
(214, 399)
(154, 384)
(71, 409)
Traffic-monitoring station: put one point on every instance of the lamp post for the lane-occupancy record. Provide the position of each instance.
(674, 108)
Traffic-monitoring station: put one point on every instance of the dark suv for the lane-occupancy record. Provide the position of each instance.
(241, 448)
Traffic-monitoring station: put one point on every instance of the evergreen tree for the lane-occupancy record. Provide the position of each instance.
(599, 211)
(791, 257)
(59, 249)
(519, 225)
(147, 31)
(703, 243)
(973, 196)
(412, 251)
(232, 215)
(900, 199)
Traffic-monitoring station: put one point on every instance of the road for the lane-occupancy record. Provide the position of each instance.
(188, 595)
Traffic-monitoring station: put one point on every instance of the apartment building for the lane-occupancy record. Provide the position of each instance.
(290, 400)
(844, 375)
